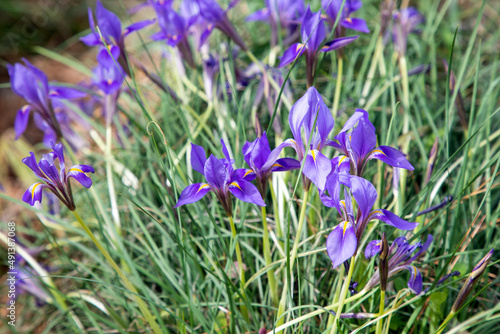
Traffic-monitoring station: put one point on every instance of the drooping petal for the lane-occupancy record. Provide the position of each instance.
(78, 173)
(246, 192)
(193, 193)
(365, 195)
(355, 24)
(273, 156)
(391, 156)
(216, 173)
(292, 53)
(67, 93)
(137, 26)
(341, 243)
(373, 248)
(21, 122)
(260, 15)
(415, 281)
(243, 173)
(393, 220)
(285, 164)
(338, 43)
(316, 168)
(198, 158)
(34, 193)
(33, 165)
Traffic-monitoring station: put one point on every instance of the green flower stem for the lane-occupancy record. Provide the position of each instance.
(142, 305)
(293, 254)
(241, 272)
(318, 312)
(445, 322)
(109, 174)
(279, 232)
(338, 86)
(343, 294)
(337, 290)
(267, 256)
(380, 322)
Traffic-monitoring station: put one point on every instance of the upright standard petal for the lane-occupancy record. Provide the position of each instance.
(393, 220)
(108, 23)
(365, 195)
(312, 30)
(341, 243)
(198, 158)
(193, 193)
(216, 173)
(246, 192)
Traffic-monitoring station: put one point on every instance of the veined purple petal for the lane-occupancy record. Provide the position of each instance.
(273, 156)
(260, 152)
(373, 248)
(193, 193)
(351, 122)
(243, 173)
(65, 93)
(292, 53)
(198, 158)
(415, 281)
(246, 192)
(108, 23)
(137, 26)
(48, 167)
(28, 84)
(365, 195)
(216, 173)
(393, 220)
(338, 43)
(228, 161)
(59, 153)
(108, 58)
(34, 193)
(355, 24)
(391, 156)
(341, 243)
(316, 168)
(21, 122)
(33, 165)
(78, 173)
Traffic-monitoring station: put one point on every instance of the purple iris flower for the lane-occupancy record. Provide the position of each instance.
(108, 77)
(221, 179)
(357, 141)
(57, 181)
(342, 243)
(263, 161)
(112, 33)
(174, 30)
(310, 115)
(43, 97)
(402, 254)
(332, 9)
(313, 35)
(216, 17)
(286, 13)
(405, 22)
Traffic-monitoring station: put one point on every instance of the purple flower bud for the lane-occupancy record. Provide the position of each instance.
(471, 282)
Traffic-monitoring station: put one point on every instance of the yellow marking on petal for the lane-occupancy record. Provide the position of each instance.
(378, 151)
(110, 81)
(324, 16)
(414, 272)
(325, 47)
(378, 244)
(248, 172)
(210, 26)
(299, 47)
(235, 184)
(54, 92)
(33, 189)
(348, 19)
(276, 165)
(204, 185)
(125, 31)
(25, 108)
(345, 227)
(76, 170)
(373, 213)
(313, 155)
(175, 37)
(109, 46)
(342, 159)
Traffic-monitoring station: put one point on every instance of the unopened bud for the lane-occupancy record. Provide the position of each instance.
(384, 263)
(471, 282)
